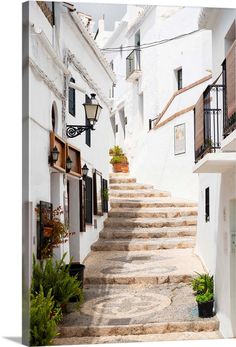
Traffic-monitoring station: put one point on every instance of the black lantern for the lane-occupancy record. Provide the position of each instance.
(53, 158)
(92, 109)
(85, 170)
(68, 164)
(92, 112)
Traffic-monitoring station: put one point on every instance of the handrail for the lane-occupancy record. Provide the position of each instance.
(180, 91)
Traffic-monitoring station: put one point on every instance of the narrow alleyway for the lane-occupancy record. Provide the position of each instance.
(138, 273)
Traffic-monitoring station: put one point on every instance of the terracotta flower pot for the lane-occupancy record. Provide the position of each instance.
(125, 168)
(47, 231)
(117, 167)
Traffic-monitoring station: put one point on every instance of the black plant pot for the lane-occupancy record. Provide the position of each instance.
(205, 309)
(78, 269)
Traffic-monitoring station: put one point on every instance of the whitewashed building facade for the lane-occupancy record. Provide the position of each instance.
(215, 155)
(163, 63)
(64, 67)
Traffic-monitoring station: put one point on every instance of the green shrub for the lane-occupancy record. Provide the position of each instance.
(54, 275)
(44, 317)
(201, 298)
(116, 159)
(116, 151)
(203, 283)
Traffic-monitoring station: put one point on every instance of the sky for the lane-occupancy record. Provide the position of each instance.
(112, 12)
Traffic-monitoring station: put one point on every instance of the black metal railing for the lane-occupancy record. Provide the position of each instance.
(229, 121)
(211, 131)
(133, 62)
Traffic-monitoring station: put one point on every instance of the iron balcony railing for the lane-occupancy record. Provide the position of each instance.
(133, 62)
(215, 111)
(229, 97)
(208, 120)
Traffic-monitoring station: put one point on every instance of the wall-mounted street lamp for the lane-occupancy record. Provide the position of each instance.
(68, 164)
(92, 112)
(53, 158)
(85, 170)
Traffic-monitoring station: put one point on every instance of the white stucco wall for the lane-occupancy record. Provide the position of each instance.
(214, 238)
(154, 150)
(45, 184)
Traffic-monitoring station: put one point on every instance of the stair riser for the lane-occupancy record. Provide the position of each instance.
(150, 204)
(141, 214)
(145, 235)
(134, 194)
(128, 223)
(137, 247)
(122, 180)
(129, 187)
(158, 328)
(139, 280)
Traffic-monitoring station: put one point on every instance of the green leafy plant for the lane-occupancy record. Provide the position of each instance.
(201, 298)
(44, 317)
(54, 276)
(105, 194)
(203, 283)
(115, 151)
(116, 159)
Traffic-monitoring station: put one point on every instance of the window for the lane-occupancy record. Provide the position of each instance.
(179, 79)
(116, 128)
(89, 199)
(207, 204)
(105, 195)
(72, 99)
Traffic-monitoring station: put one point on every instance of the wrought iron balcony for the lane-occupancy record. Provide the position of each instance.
(133, 67)
(208, 120)
(215, 111)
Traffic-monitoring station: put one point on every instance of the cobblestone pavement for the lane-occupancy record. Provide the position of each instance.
(144, 294)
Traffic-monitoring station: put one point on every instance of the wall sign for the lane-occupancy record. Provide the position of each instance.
(179, 139)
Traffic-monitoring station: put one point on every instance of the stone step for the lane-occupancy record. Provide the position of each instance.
(119, 174)
(142, 267)
(137, 193)
(150, 222)
(151, 203)
(135, 310)
(140, 329)
(172, 212)
(122, 180)
(130, 186)
(177, 336)
(143, 245)
(147, 233)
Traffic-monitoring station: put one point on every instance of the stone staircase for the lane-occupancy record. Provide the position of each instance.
(138, 273)
(142, 218)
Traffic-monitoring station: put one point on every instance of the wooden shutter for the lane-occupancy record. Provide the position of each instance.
(231, 80)
(82, 204)
(43, 207)
(72, 99)
(89, 199)
(199, 124)
(104, 202)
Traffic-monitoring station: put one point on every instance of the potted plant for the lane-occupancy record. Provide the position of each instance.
(203, 286)
(55, 232)
(105, 194)
(118, 160)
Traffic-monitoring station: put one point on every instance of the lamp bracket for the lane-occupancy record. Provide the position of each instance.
(76, 130)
